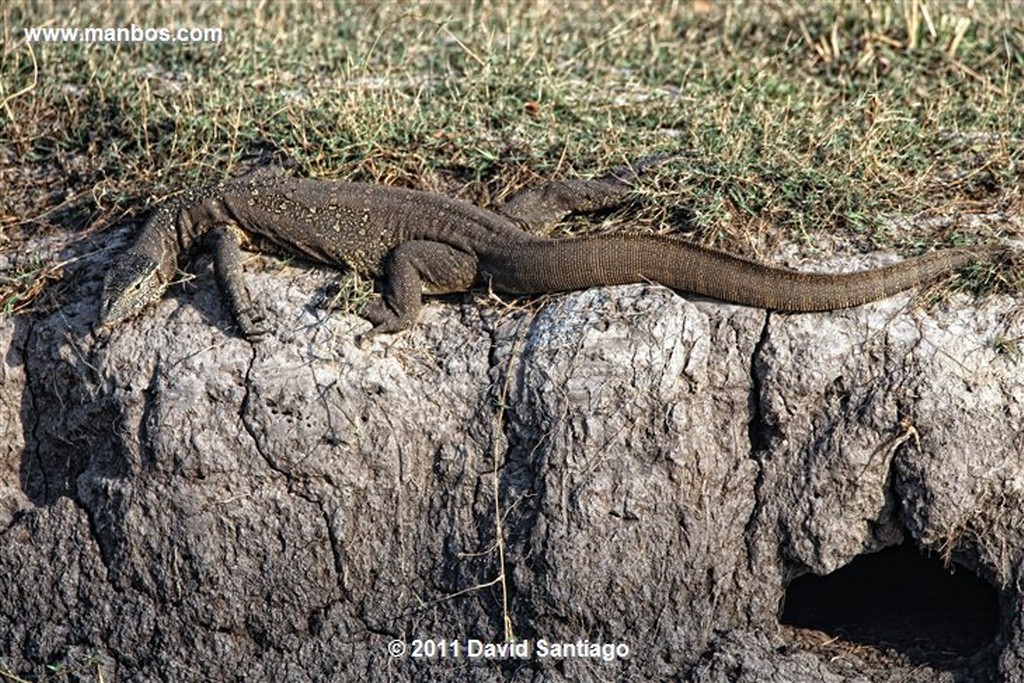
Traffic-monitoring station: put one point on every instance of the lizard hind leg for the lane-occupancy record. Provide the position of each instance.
(413, 269)
(225, 242)
(537, 209)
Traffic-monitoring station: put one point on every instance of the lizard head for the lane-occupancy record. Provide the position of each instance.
(133, 282)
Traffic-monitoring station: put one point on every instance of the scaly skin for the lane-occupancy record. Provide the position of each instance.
(419, 242)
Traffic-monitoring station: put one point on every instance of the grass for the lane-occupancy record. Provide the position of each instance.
(796, 122)
(79, 667)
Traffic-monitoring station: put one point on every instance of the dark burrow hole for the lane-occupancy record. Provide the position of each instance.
(898, 599)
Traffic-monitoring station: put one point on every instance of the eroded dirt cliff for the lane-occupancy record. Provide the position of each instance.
(623, 466)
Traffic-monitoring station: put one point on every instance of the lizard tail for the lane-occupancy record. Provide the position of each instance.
(579, 263)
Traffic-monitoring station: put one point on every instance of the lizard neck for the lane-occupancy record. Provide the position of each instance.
(175, 228)
(163, 241)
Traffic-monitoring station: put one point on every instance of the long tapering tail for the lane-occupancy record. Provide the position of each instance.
(577, 263)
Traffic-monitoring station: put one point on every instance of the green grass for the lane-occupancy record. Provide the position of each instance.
(795, 121)
(87, 666)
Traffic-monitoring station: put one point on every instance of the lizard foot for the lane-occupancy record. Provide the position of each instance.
(385, 320)
(252, 325)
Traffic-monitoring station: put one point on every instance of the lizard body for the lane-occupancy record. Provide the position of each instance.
(419, 242)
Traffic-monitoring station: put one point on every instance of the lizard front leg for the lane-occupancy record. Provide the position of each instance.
(415, 268)
(225, 242)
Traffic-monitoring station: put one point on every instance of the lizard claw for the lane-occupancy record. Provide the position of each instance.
(364, 340)
(252, 325)
(384, 319)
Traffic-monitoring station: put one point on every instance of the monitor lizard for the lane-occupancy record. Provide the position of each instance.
(418, 242)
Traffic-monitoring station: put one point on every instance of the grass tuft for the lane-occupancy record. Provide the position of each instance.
(798, 121)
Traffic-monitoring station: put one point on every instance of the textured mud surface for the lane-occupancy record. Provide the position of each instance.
(622, 466)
